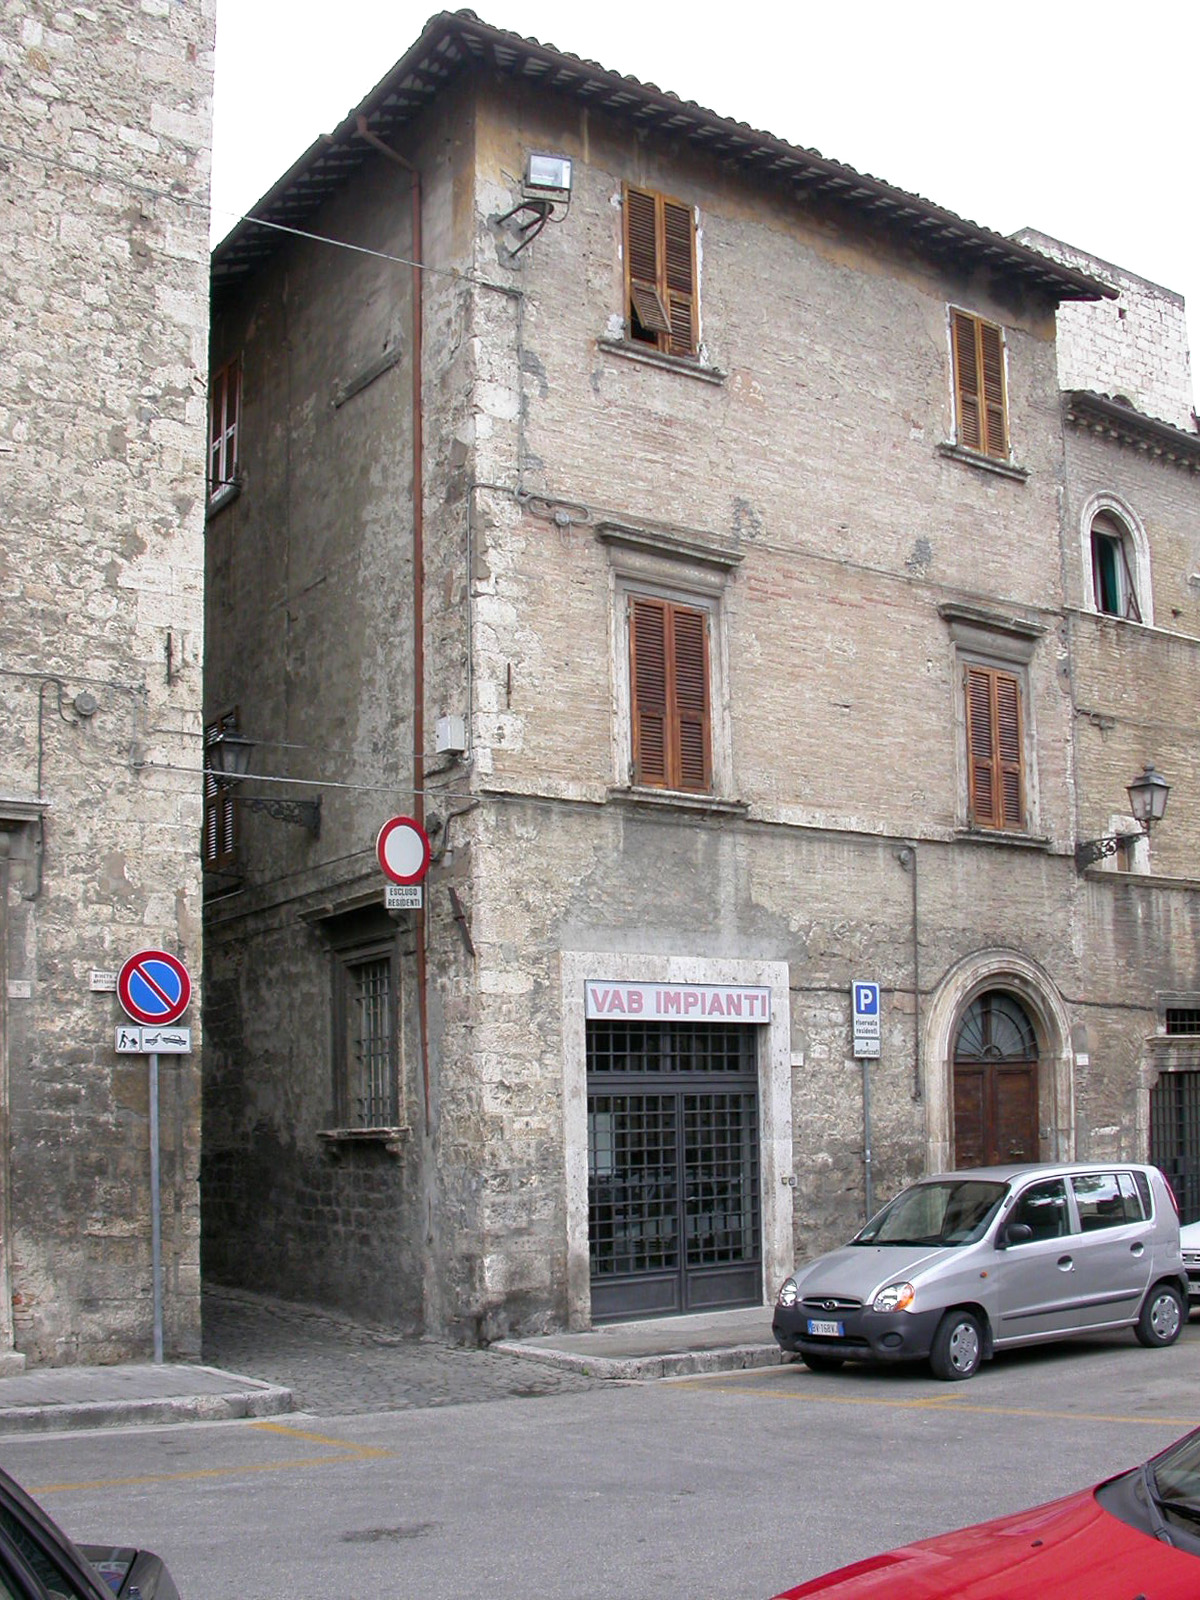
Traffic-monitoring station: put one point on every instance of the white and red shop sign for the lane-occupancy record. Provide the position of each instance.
(682, 1002)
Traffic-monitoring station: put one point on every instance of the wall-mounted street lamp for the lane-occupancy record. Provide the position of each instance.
(1147, 801)
(229, 760)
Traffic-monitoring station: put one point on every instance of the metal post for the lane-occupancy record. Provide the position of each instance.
(867, 1183)
(155, 1212)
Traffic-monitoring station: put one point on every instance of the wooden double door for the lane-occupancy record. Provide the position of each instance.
(995, 1084)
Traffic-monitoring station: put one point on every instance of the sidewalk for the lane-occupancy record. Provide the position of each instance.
(51, 1398)
(667, 1347)
(322, 1364)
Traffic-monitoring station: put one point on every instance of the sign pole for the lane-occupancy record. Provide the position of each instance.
(155, 1212)
(868, 1185)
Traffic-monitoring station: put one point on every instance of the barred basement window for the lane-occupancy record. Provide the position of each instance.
(370, 1089)
(1183, 1019)
(980, 399)
(660, 272)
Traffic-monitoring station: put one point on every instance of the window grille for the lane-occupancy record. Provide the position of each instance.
(371, 1089)
(1183, 1019)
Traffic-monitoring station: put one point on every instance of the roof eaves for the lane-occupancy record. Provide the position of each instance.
(1101, 414)
(450, 39)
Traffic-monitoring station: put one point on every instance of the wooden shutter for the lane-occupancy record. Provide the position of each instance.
(995, 768)
(691, 699)
(672, 742)
(981, 411)
(679, 252)
(648, 670)
(991, 346)
(218, 846)
(660, 271)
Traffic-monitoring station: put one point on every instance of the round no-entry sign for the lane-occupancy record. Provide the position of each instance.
(403, 850)
(154, 987)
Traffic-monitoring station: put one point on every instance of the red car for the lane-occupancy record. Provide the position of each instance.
(1136, 1535)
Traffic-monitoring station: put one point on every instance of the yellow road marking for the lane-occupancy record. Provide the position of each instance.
(346, 1453)
(319, 1438)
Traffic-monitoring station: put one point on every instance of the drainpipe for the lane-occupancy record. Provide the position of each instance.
(908, 860)
(418, 495)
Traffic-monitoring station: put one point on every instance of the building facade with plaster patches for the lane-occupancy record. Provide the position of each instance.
(690, 542)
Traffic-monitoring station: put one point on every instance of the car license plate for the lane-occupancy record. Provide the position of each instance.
(825, 1330)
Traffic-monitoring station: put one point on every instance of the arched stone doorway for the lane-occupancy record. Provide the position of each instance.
(995, 1070)
(1006, 973)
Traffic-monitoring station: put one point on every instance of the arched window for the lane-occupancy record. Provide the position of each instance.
(1113, 565)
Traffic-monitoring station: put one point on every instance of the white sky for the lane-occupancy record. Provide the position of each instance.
(1079, 119)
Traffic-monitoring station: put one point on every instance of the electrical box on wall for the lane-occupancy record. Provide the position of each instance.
(450, 737)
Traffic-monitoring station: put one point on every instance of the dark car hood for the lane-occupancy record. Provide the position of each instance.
(1070, 1547)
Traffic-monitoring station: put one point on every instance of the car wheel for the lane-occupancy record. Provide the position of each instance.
(957, 1347)
(1161, 1318)
(821, 1363)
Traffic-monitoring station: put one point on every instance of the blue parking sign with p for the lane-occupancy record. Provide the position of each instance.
(866, 999)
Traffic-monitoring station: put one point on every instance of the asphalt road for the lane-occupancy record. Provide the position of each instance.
(706, 1488)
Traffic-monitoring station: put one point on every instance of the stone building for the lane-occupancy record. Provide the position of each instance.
(105, 128)
(689, 542)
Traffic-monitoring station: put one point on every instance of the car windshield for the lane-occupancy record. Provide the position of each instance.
(1177, 1476)
(948, 1211)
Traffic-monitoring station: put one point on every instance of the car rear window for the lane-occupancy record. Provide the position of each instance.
(1104, 1201)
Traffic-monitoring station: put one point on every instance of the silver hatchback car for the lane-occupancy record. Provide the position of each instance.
(963, 1264)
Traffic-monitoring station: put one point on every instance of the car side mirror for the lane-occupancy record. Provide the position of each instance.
(1013, 1233)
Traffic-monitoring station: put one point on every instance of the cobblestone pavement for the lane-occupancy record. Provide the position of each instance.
(336, 1367)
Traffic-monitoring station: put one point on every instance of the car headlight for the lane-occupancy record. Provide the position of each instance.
(787, 1293)
(896, 1297)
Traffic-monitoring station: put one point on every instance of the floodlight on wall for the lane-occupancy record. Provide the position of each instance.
(546, 184)
(228, 757)
(1148, 803)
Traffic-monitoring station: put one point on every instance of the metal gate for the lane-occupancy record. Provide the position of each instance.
(1175, 1137)
(673, 1168)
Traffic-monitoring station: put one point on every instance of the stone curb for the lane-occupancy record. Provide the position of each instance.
(675, 1364)
(266, 1400)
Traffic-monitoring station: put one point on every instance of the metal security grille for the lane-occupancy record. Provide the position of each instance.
(372, 1086)
(1183, 1019)
(673, 1168)
(1175, 1137)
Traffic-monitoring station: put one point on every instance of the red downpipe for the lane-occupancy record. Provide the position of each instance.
(418, 495)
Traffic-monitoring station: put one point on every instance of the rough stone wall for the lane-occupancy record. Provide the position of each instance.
(1135, 346)
(105, 128)
(310, 586)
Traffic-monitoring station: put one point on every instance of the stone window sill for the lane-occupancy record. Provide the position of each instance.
(678, 800)
(338, 1139)
(972, 458)
(224, 496)
(1022, 841)
(655, 358)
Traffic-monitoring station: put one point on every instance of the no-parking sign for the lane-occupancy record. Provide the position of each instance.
(403, 850)
(154, 987)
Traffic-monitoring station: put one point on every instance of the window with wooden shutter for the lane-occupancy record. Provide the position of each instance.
(980, 402)
(669, 674)
(995, 748)
(218, 846)
(660, 272)
(224, 418)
